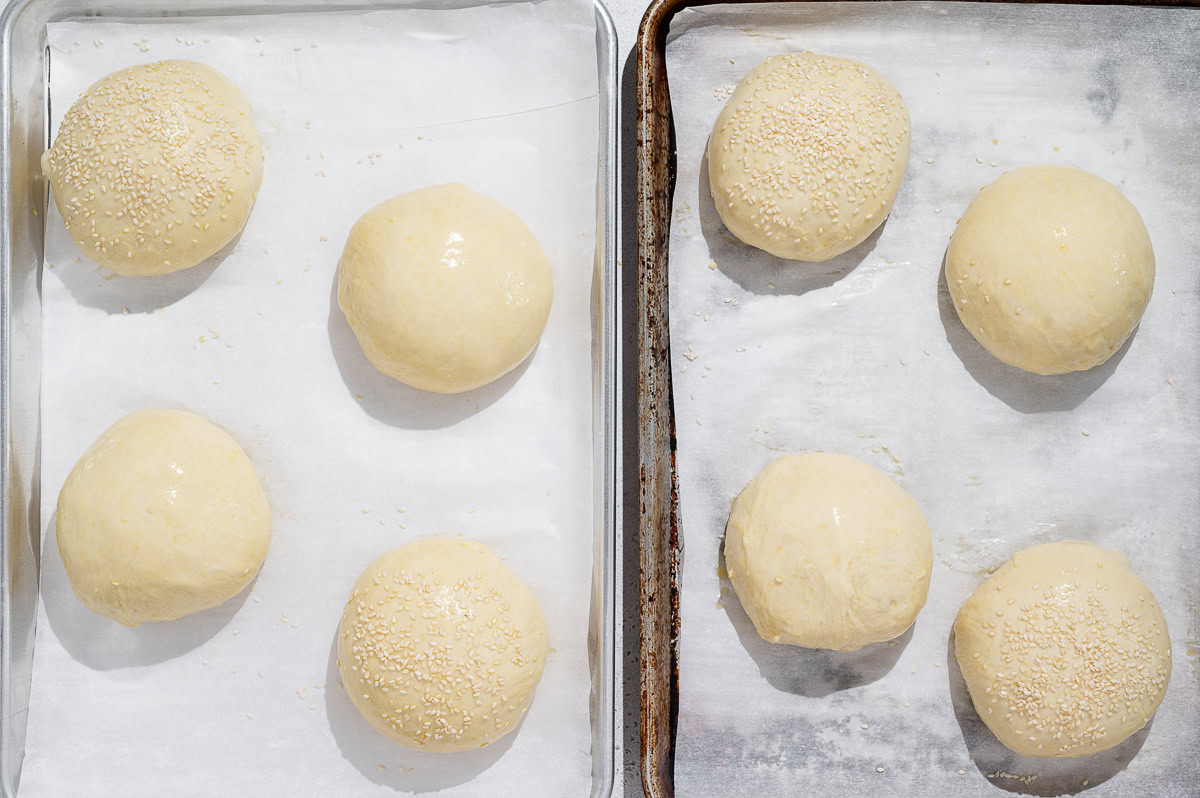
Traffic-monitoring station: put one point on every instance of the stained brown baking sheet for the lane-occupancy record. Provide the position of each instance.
(660, 541)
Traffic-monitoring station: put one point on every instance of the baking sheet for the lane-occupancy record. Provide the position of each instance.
(865, 355)
(352, 108)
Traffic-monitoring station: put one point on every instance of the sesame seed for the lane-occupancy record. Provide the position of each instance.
(808, 162)
(400, 628)
(142, 145)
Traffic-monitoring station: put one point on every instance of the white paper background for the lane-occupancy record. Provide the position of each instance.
(503, 99)
(864, 355)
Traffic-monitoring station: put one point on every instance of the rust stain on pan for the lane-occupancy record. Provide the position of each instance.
(660, 546)
(658, 506)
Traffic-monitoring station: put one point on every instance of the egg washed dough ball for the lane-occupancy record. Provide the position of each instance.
(824, 551)
(155, 167)
(1050, 268)
(163, 516)
(445, 289)
(441, 645)
(1064, 650)
(806, 157)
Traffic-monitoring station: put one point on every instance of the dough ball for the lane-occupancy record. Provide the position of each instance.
(1050, 269)
(155, 167)
(824, 551)
(1064, 650)
(445, 289)
(441, 645)
(163, 516)
(806, 157)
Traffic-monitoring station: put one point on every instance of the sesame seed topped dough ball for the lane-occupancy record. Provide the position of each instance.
(1050, 269)
(445, 289)
(161, 517)
(824, 551)
(1064, 650)
(441, 645)
(155, 167)
(806, 157)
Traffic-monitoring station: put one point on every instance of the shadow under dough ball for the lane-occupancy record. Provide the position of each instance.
(441, 645)
(1064, 650)
(825, 551)
(807, 155)
(161, 517)
(1050, 268)
(156, 167)
(446, 289)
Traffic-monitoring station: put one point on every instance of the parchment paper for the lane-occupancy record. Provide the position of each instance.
(864, 355)
(353, 108)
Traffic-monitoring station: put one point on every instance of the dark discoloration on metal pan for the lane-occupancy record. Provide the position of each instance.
(660, 544)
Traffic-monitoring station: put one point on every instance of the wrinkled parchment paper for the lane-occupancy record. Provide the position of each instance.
(352, 108)
(864, 355)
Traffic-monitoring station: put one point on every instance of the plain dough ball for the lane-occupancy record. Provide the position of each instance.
(445, 289)
(1050, 269)
(441, 645)
(1064, 650)
(156, 167)
(163, 516)
(806, 157)
(824, 551)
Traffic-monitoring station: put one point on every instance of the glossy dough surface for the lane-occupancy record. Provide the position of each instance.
(1064, 650)
(807, 155)
(825, 551)
(1050, 268)
(441, 645)
(156, 167)
(163, 516)
(445, 289)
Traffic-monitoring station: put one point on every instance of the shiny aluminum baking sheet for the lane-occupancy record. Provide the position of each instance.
(865, 355)
(353, 107)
